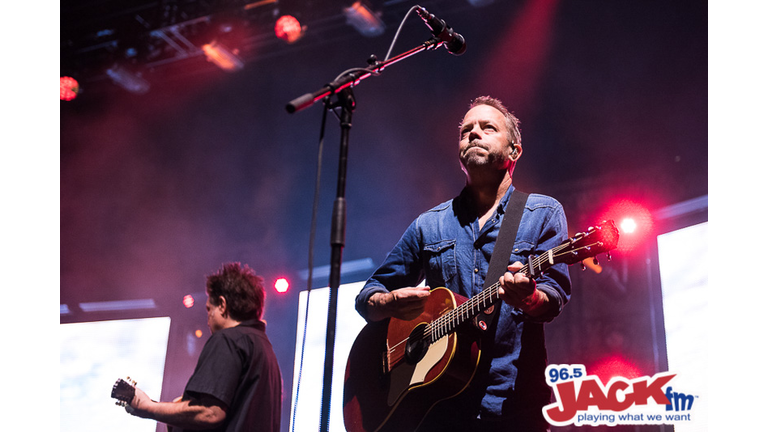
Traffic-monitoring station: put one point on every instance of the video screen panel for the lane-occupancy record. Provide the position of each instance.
(93, 355)
(308, 389)
(683, 268)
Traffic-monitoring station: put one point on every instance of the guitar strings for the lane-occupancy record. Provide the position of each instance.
(473, 306)
(479, 302)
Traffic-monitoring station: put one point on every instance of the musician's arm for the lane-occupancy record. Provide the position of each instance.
(404, 303)
(391, 291)
(203, 412)
(544, 299)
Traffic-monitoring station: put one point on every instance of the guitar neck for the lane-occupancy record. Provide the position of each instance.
(583, 245)
(449, 322)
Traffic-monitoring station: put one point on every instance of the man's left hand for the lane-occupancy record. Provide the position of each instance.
(520, 291)
(139, 404)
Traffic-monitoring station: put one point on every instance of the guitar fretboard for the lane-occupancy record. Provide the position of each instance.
(449, 322)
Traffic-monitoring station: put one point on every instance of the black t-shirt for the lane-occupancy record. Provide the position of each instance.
(239, 368)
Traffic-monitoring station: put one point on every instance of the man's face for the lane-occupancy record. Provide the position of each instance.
(215, 316)
(484, 140)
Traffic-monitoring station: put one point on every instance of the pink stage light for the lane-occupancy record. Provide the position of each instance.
(282, 285)
(288, 29)
(69, 88)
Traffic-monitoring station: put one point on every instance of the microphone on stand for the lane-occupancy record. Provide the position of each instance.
(454, 42)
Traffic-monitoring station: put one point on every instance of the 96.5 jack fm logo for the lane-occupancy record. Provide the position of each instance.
(583, 400)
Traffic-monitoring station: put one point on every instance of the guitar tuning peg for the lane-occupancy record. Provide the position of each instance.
(583, 267)
(608, 256)
(595, 261)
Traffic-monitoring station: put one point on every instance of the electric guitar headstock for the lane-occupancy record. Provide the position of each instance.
(598, 239)
(123, 390)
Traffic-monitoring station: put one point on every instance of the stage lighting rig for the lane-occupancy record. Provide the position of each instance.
(360, 16)
(127, 79)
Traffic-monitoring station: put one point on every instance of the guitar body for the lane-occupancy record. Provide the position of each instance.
(398, 370)
(391, 382)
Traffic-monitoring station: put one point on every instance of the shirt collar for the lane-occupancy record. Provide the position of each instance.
(465, 199)
(257, 324)
(505, 200)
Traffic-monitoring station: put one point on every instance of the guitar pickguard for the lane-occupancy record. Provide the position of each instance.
(434, 355)
(406, 376)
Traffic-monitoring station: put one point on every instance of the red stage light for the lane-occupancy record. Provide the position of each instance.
(614, 366)
(188, 301)
(69, 88)
(288, 29)
(282, 285)
(634, 221)
(628, 225)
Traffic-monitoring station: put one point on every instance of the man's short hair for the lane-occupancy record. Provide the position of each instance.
(241, 287)
(512, 122)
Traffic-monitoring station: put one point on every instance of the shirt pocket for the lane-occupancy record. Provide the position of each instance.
(441, 262)
(521, 252)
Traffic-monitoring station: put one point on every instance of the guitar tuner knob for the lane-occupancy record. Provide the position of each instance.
(608, 256)
(583, 267)
(595, 261)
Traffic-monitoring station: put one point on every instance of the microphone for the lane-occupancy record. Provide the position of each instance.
(454, 42)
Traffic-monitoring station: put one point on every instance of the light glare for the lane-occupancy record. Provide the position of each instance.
(628, 225)
(281, 285)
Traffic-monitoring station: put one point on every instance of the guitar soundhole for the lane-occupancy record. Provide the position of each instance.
(417, 345)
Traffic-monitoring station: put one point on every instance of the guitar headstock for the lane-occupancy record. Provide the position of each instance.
(123, 390)
(596, 240)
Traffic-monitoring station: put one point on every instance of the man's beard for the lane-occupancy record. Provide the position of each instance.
(470, 158)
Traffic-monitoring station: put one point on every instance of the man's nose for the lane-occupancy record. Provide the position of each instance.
(474, 133)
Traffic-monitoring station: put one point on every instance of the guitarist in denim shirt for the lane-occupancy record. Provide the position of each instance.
(450, 246)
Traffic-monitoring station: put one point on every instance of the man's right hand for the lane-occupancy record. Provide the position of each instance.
(404, 304)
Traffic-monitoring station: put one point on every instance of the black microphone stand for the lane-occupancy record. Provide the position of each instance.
(342, 87)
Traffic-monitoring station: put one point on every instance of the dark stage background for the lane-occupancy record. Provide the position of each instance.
(158, 189)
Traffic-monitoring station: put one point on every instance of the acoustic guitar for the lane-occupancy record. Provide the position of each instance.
(398, 370)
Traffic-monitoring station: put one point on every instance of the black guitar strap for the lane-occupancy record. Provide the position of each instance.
(506, 239)
(487, 319)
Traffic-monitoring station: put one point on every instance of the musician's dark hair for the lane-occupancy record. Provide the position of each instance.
(512, 122)
(241, 287)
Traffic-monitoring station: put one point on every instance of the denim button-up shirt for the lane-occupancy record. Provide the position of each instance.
(446, 247)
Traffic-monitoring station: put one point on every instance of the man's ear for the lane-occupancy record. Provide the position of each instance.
(517, 151)
(223, 307)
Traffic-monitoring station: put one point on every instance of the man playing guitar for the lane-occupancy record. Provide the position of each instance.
(450, 246)
(236, 385)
